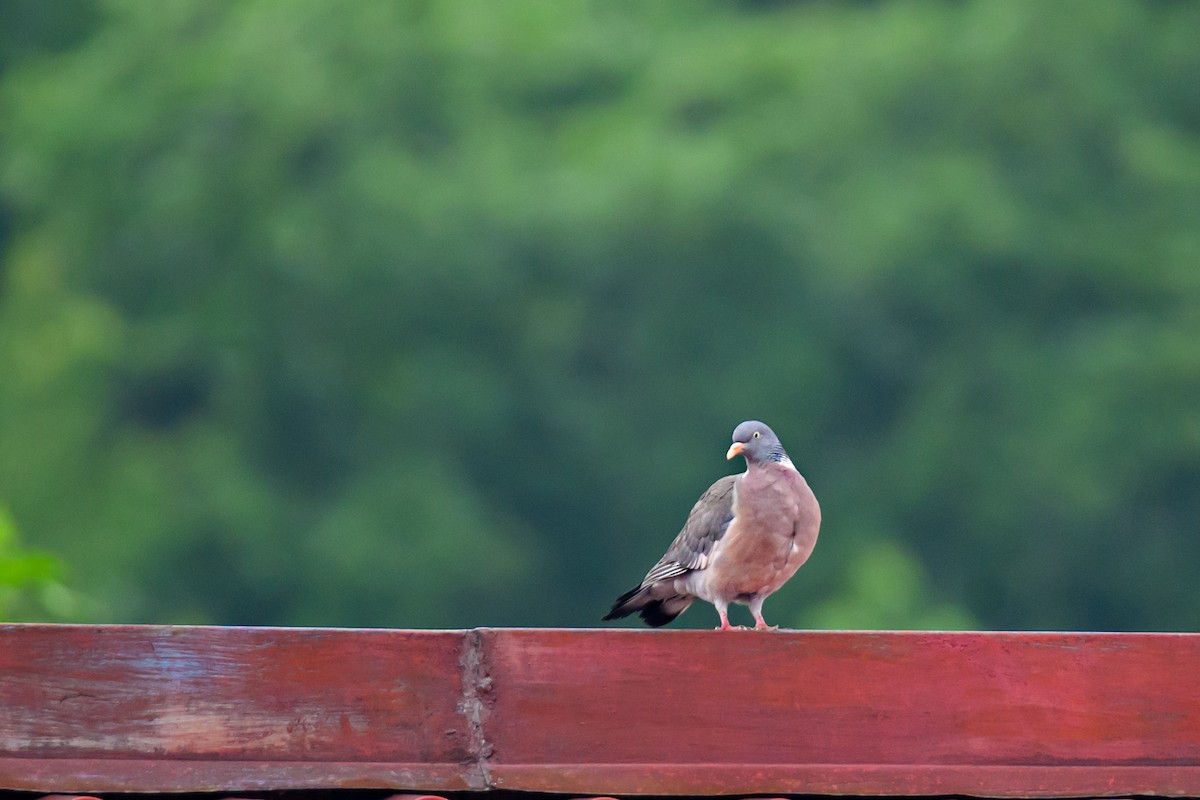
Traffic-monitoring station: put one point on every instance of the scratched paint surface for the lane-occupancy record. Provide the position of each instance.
(846, 698)
(229, 692)
(157, 709)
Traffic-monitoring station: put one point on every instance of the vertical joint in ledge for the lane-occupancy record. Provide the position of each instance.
(475, 705)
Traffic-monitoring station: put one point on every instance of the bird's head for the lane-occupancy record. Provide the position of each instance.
(756, 442)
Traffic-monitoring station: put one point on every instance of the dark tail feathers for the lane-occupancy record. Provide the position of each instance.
(654, 612)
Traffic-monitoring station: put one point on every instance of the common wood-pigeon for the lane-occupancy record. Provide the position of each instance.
(742, 540)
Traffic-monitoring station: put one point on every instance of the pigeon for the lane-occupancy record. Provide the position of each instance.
(743, 539)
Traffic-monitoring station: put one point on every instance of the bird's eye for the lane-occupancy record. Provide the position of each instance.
(756, 434)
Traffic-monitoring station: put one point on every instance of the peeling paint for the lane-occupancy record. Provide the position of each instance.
(474, 706)
(590, 712)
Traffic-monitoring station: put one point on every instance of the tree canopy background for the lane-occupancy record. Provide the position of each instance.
(441, 313)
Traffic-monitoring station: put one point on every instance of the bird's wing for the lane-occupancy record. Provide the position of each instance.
(705, 525)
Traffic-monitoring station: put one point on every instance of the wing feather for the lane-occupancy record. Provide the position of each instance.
(706, 524)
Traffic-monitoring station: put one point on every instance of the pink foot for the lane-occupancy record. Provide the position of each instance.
(724, 626)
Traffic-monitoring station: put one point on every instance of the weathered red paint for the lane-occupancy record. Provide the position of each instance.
(109, 708)
(599, 712)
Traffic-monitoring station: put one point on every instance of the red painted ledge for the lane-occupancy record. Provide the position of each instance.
(93, 709)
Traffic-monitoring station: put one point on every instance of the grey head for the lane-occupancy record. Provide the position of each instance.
(757, 443)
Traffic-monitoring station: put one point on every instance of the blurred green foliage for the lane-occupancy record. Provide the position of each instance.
(31, 587)
(441, 313)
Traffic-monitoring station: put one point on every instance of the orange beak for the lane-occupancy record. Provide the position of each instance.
(735, 449)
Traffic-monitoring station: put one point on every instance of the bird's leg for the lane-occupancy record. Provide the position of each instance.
(760, 624)
(723, 610)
